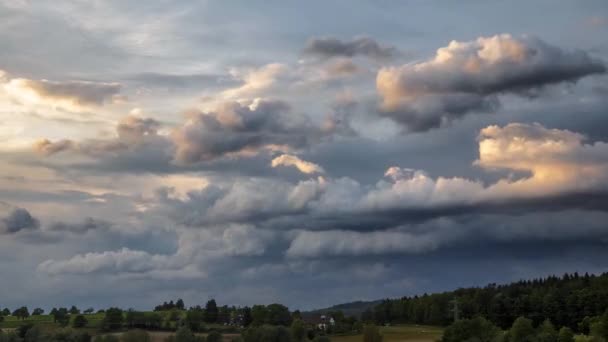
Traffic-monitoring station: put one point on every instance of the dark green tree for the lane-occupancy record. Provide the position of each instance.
(61, 316)
(21, 312)
(211, 311)
(37, 312)
(195, 318)
(247, 319)
(112, 320)
(278, 314)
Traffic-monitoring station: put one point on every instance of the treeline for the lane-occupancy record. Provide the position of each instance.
(593, 329)
(565, 301)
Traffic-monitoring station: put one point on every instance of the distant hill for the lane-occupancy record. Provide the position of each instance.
(349, 309)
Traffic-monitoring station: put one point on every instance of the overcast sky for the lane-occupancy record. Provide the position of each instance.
(308, 153)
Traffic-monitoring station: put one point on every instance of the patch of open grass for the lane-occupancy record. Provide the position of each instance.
(406, 333)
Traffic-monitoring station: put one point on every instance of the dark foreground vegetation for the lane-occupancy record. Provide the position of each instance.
(553, 309)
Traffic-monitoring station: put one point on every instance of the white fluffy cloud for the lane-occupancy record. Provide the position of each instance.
(466, 77)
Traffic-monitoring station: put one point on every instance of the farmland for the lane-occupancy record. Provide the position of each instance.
(406, 333)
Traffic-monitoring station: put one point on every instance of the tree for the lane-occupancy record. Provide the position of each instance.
(214, 336)
(565, 335)
(179, 304)
(298, 331)
(6, 312)
(112, 320)
(37, 312)
(278, 314)
(258, 315)
(80, 322)
(74, 310)
(522, 331)
(371, 333)
(476, 329)
(247, 319)
(211, 311)
(61, 316)
(89, 311)
(599, 328)
(22, 312)
(547, 332)
(195, 318)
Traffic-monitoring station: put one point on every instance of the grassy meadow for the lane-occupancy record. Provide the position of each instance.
(409, 333)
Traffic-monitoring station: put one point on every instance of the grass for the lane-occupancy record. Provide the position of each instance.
(12, 322)
(405, 333)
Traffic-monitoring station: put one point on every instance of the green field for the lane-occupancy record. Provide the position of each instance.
(11, 322)
(409, 333)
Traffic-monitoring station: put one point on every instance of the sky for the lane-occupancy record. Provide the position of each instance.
(306, 153)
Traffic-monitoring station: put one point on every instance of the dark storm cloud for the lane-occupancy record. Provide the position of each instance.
(363, 46)
(467, 77)
(17, 220)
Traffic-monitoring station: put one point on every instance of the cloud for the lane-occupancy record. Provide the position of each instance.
(557, 167)
(196, 250)
(88, 224)
(333, 47)
(466, 77)
(256, 81)
(558, 160)
(235, 129)
(131, 133)
(344, 242)
(17, 220)
(75, 96)
(302, 165)
(123, 260)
